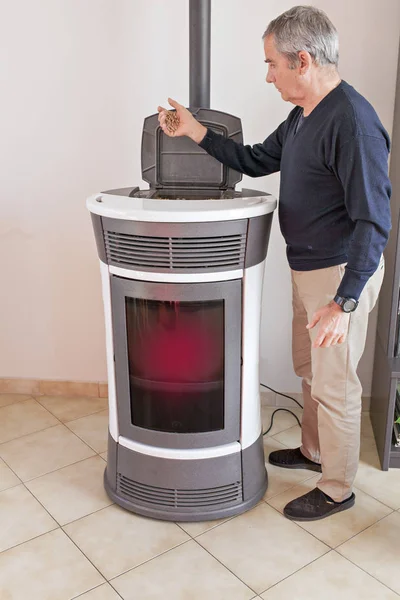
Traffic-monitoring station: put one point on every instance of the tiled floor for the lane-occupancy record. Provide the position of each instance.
(62, 538)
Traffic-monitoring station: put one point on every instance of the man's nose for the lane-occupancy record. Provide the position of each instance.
(269, 78)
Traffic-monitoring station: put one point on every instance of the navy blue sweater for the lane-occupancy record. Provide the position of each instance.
(334, 192)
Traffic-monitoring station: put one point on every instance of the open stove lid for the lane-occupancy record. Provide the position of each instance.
(180, 163)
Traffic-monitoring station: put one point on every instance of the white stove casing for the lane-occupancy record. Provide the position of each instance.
(164, 481)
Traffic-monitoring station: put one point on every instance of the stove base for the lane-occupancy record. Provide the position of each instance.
(183, 517)
(186, 490)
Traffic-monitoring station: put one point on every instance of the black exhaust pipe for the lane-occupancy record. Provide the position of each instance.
(199, 53)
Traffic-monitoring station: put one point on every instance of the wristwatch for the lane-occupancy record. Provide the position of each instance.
(347, 304)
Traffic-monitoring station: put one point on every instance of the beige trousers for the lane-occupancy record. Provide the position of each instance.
(331, 387)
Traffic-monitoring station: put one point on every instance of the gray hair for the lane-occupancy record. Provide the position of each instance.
(305, 28)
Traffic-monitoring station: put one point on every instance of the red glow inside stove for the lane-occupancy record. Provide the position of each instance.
(183, 354)
(178, 342)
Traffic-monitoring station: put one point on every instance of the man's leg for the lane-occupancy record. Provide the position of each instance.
(301, 354)
(308, 456)
(335, 386)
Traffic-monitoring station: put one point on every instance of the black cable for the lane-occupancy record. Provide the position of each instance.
(280, 394)
(279, 409)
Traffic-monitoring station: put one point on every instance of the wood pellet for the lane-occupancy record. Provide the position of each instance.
(171, 120)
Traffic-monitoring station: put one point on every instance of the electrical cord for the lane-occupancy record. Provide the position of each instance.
(281, 409)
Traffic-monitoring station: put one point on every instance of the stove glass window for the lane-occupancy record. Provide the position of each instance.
(176, 364)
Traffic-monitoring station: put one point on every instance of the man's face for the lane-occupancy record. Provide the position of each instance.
(284, 78)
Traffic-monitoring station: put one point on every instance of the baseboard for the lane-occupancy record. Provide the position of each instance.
(48, 387)
(99, 389)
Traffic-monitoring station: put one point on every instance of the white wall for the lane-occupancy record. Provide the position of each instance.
(77, 78)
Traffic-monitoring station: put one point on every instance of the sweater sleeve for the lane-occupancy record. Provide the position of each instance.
(362, 168)
(255, 161)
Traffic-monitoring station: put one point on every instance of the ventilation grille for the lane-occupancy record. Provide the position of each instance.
(173, 498)
(172, 253)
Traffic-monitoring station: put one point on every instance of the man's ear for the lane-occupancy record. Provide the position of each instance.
(305, 61)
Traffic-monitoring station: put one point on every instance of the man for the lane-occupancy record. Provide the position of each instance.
(332, 152)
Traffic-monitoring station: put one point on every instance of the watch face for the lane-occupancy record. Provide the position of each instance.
(349, 305)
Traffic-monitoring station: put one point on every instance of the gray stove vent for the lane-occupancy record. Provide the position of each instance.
(216, 497)
(149, 253)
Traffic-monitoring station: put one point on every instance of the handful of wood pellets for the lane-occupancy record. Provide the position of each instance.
(171, 120)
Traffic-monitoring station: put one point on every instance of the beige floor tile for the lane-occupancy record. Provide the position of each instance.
(280, 480)
(382, 485)
(330, 577)
(7, 399)
(72, 492)
(341, 527)
(279, 501)
(290, 437)
(195, 529)
(49, 567)
(261, 547)
(185, 572)
(375, 550)
(23, 418)
(116, 540)
(8, 479)
(22, 517)
(39, 453)
(103, 456)
(103, 592)
(68, 408)
(271, 444)
(93, 430)
(282, 419)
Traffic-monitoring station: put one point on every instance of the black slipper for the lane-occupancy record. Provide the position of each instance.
(292, 458)
(315, 505)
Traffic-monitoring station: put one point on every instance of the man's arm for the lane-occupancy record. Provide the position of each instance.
(362, 168)
(255, 161)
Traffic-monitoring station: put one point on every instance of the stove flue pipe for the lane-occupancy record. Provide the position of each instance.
(199, 53)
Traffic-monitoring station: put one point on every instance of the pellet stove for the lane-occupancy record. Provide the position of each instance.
(182, 266)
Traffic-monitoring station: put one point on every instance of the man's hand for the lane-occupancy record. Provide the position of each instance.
(187, 123)
(333, 325)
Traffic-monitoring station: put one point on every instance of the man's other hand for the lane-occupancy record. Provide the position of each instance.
(333, 325)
